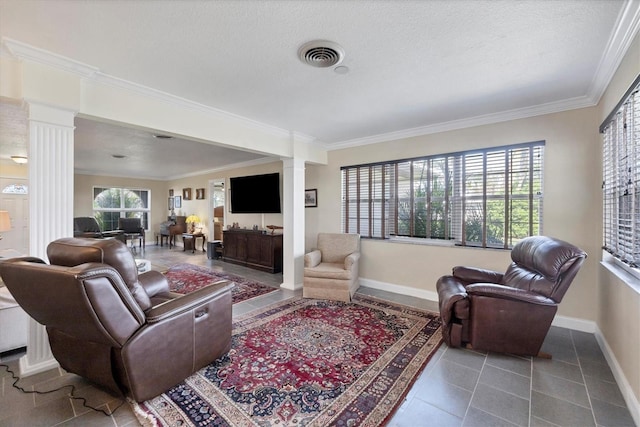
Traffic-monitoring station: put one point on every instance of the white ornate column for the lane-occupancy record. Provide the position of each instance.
(293, 222)
(50, 206)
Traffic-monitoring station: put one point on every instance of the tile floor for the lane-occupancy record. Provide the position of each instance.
(457, 388)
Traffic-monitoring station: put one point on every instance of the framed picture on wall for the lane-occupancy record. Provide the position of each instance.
(186, 193)
(311, 198)
(199, 193)
(177, 202)
(170, 203)
(171, 193)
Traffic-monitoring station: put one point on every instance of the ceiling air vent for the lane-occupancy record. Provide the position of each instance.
(321, 53)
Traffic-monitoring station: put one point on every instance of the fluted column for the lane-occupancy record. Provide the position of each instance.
(50, 205)
(293, 221)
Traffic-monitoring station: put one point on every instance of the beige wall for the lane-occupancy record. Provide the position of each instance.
(618, 308)
(571, 201)
(83, 197)
(201, 207)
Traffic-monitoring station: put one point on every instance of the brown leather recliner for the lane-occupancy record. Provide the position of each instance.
(123, 331)
(510, 312)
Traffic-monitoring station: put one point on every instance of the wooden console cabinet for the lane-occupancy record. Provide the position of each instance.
(253, 249)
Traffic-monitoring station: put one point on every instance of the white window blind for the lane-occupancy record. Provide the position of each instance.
(487, 198)
(621, 179)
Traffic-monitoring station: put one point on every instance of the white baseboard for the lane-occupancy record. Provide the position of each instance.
(398, 289)
(574, 323)
(625, 388)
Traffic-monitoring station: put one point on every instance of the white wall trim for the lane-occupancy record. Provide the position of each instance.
(574, 323)
(399, 289)
(625, 388)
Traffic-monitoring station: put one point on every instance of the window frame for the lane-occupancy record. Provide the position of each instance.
(123, 211)
(372, 204)
(621, 182)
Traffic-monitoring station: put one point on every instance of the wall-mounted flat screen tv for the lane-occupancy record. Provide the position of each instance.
(255, 194)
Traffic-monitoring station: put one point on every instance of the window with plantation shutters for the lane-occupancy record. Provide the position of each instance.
(486, 198)
(621, 179)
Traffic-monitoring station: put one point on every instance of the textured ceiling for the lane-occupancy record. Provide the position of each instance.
(413, 65)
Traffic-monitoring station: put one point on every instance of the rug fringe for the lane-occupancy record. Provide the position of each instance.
(145, 418)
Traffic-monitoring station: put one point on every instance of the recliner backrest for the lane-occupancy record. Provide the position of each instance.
(543, 265)
(130, 225)
(89, 302)
(72, 251)
(335, 247)
(86, 224)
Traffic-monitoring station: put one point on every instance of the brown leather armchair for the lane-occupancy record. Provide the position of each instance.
(510, 312)
(123, 331)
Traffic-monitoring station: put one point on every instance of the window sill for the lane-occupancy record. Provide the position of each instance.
(630, 276)
(436, 242)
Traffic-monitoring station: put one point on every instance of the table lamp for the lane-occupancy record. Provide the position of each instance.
(192, 219)
(5, 222)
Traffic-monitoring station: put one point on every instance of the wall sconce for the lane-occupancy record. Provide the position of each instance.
(5, 222)
(21, 160)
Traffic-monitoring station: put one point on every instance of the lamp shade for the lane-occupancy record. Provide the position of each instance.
(5, 221)
(192, 219)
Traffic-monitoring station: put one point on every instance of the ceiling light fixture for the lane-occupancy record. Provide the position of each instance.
(160, 136)
(118, 156)
(20, 159)
(321, 53)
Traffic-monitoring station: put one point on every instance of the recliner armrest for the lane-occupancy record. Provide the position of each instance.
(476, 275)
(313, 258)
(450, 292)
(509, 293)
(153, 282)
(188, 302)
(350, 260)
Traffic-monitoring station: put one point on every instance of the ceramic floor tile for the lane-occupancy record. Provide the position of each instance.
(516, 364)
(456, 374)
(560, 412)
(445, 396)
(608, 415)
(477, 418)
(418, 413)
(560, 369)
(506, 381)
(605, 391)
(501, 404)
(597, 370)
(560, 388)
(464, 357)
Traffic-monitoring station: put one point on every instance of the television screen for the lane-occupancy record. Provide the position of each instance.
(256, 194)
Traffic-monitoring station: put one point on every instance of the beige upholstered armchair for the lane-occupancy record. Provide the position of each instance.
(331, 270)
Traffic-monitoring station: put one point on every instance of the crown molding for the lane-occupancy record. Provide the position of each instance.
(485, 119)
(23, 51)
(622, 36)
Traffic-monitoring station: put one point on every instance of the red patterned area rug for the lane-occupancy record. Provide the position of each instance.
(306, 362)
(186, 278)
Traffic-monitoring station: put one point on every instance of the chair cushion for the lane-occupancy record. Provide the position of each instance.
(335, 247)
(327, 270)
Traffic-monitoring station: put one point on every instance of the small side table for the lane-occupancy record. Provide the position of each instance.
(189, 239)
